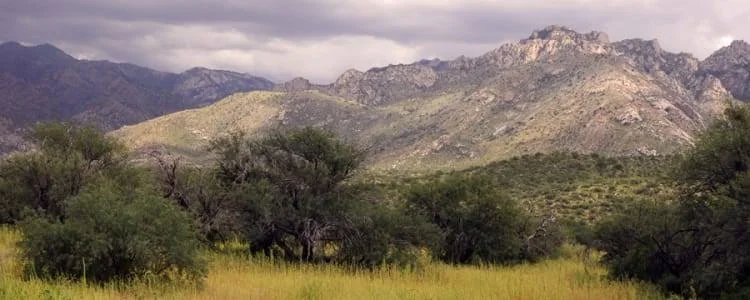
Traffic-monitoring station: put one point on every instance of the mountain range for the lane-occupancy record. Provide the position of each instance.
(42, 83)
(556, 90)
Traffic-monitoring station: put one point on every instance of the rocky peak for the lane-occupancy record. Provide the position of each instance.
(548, 44)
(739, 45)
(737, 53)
(349, 77)
(297, 84)
(386, 84)
(197, 70)
(201, 86)
(219, 77)
(731, 65)
(562, 33)
(434, 63)
(649, 57)
(651, 47)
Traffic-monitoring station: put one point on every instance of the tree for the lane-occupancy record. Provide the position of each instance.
(86, 213)
(642, 242)
(110, 233)
(698, 245)
(198, 191)
(66, 158)
(294, 197)
(478, 222)
(384, 235)
(292, 189)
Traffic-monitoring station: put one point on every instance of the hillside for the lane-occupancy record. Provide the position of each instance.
(42, 83)
(557, 90)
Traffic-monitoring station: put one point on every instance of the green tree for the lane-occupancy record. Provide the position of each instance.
(292, 190)
(198, 191)
(698, 245)
(85, 212)
(111, 232)
(304, 170)
(478, 222)
(65, 159)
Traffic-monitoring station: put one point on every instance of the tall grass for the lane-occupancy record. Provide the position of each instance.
(237, 277)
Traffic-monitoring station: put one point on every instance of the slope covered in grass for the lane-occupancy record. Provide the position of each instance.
(574, 186)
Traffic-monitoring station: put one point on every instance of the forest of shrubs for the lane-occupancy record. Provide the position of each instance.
(301, 195)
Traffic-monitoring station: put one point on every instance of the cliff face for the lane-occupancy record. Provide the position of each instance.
(731, 65)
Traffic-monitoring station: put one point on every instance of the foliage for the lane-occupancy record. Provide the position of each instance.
(110, 233)
(387, 236)
(199, 192)
(579, 188)
(292, 193)
(86, 213)
(698, 245)
(304, 170)
(649, 225)
(67, 158)
(479, 223)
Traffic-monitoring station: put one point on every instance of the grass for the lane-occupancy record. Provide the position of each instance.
(231, 276)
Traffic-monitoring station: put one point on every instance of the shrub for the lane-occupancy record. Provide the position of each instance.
(479, 223)
(387, 236)
(65, 160)
(699, 245)
(110, 233)
(294, 197)
(304, 203)
(199, 192)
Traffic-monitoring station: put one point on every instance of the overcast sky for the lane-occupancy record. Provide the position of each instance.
(281, 39)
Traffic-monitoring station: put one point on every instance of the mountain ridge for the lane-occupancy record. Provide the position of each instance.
(43, 83)
(556, 90)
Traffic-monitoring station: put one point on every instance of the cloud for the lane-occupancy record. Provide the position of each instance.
(281, 39)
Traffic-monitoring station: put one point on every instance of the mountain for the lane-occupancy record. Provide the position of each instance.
(556, 90)
(731, 65)
(42, 83)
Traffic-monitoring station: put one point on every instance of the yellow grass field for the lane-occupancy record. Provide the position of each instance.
(232, 277)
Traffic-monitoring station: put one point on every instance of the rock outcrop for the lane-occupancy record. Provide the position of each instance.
(731, 65)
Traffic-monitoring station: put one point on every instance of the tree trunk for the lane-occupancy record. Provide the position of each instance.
(308, 250)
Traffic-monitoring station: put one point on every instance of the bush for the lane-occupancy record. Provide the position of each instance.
(65, 160)
(632, 240)
(479, 223)
(304, 203)
(387, 236)
(294, 199)
(110, 233)
(199, 192)
(699, 245)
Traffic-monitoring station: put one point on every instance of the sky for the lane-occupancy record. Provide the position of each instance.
(318, 40)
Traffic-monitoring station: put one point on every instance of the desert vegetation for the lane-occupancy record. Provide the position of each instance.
(295, 214)
(694, 245)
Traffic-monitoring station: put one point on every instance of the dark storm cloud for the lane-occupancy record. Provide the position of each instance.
(319, 39)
